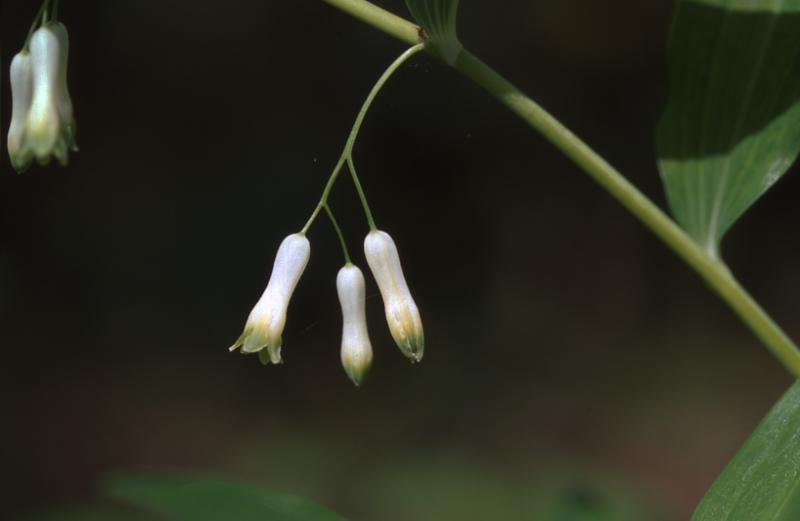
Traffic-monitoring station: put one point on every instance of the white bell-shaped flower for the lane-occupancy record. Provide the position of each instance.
(356, 348)
(402, 314)
(50, 128)
(21, 94)
(265, 324)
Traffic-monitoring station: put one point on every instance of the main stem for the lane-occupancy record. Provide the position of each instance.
(715, 273)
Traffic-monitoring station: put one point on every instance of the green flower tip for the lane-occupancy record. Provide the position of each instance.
(271, 355)
(357, 375)
(412, 347)
(255, 341)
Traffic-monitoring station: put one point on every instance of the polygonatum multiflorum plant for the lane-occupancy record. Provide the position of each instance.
(730, 131)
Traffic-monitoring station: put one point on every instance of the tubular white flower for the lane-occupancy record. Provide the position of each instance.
(402, 314)
(50, 125)
(356, 348)
(265, 324)
(21, 93)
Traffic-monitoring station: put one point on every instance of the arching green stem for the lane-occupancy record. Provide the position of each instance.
(711, 269)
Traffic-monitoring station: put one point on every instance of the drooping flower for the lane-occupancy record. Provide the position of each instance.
(21, 94)
(50, 127)
(401, 311)
(356, 348)
(264, 326)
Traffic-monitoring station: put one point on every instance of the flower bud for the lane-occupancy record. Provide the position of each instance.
(265, 324)
(50, 126)
(21, 93)
(356, 348)
(402, 314)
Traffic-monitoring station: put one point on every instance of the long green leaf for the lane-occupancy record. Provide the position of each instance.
(731, 128)
(762, 482)
(179, 498)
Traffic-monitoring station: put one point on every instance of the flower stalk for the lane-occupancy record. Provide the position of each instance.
(347, 153)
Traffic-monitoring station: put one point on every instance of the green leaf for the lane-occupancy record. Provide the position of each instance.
(180, 498)
(583, 504)
(731, 127)
(92, 513)
(762, 482)
(438, 19)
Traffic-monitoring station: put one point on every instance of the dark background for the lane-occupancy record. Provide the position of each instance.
(569, 353)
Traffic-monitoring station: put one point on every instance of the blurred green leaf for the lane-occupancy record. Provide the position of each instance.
(762, 482)
(83, 514)
(180, 498)
(451, 487)
(731, 127)
(584, 504)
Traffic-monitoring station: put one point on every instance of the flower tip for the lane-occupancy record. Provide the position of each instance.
(413, 349)
(20, 165)
(275, 354)
(357, 376)
(239, 342)
(270, 356)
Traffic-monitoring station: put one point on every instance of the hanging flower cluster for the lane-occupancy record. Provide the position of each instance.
(42, 123)
(263, 330)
